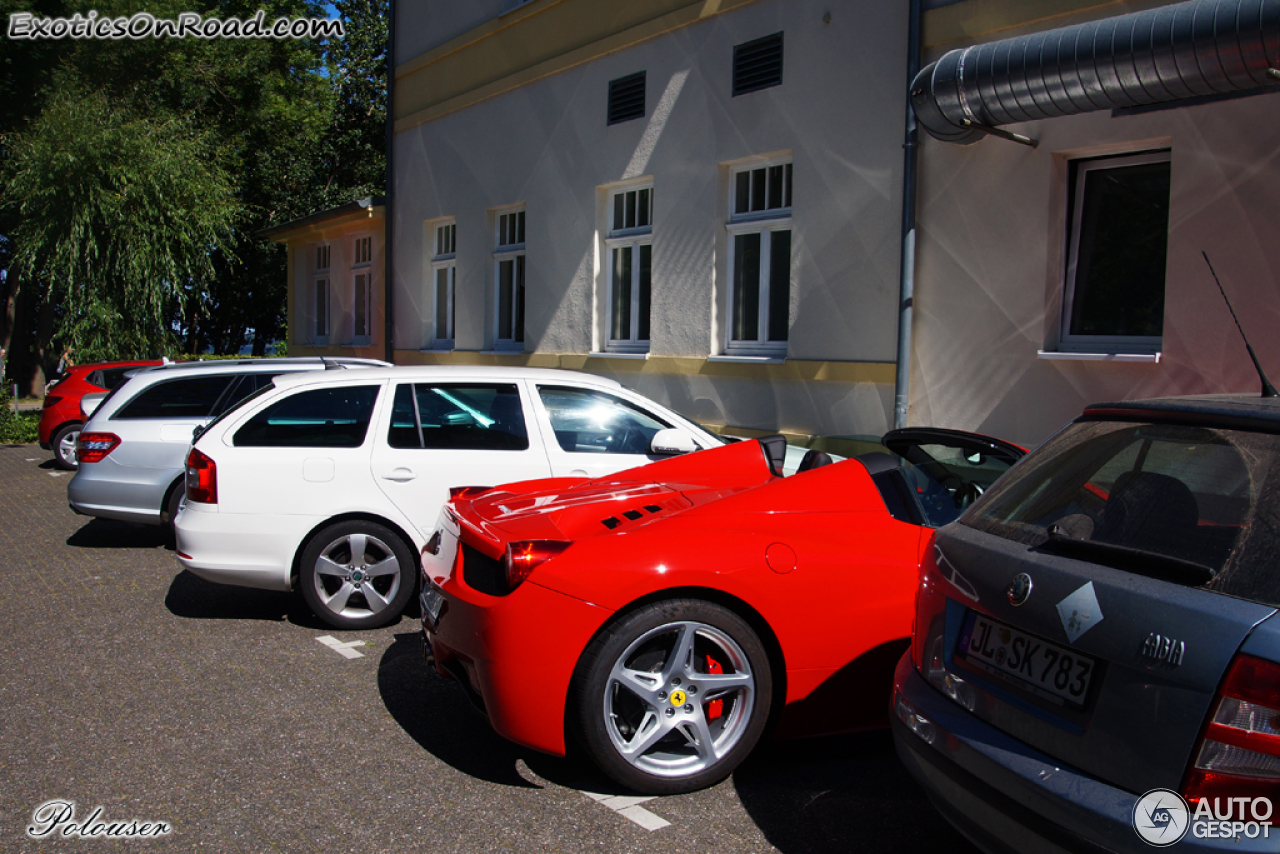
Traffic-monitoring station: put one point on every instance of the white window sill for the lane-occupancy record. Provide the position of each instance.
(1068, 356)
(762, 360)
(609, 354)
(352, 345)
(504, 352)
(437, 350)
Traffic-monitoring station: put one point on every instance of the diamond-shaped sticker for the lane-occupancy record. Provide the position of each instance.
(1079, 612)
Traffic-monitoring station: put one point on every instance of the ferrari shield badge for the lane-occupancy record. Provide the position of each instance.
(1079, 612)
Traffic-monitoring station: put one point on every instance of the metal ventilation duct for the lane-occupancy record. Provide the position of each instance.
(1186, 50)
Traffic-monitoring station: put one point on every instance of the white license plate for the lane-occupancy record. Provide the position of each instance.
(1045, 669)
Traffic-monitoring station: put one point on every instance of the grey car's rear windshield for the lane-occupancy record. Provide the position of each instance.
(1206, 496)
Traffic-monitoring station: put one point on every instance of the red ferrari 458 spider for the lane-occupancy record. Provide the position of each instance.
(666, 616)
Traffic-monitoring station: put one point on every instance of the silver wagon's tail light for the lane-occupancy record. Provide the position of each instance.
(1239, 753)
(94, 447)
(202, 478)
(524, 557)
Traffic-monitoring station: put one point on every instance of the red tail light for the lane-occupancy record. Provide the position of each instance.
(523, 558)
(467, 492)
(1239, 752)
(94, 447)
(50, 401)
(929, 611)
(202, 478)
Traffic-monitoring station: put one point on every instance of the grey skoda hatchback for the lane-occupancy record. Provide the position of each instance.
(1096, 656)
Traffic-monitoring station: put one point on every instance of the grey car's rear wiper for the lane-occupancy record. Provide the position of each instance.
(1139, 561)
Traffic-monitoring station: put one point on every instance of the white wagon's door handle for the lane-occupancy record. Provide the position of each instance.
(400, 475)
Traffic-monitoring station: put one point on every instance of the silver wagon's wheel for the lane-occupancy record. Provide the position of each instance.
(357, 575)
(64, 446)
(673, 696)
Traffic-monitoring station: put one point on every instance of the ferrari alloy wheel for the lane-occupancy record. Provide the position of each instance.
(673, 696)
(64, 446)
(357, 575)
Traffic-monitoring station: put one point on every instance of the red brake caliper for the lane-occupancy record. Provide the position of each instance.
(716, 707)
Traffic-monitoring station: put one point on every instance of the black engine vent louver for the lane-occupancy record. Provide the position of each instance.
(626, 98)
(757, 64)
(483, 573)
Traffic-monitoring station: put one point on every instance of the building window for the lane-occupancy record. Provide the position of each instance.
(443, 275)
(362, 291)
(509, 276)
(759, 258)
(364, 251)
(361, 309)
(757, 64)
(320, 297)
(630, 249)
(1118, 236)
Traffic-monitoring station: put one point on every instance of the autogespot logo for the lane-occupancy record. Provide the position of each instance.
(1161, 817)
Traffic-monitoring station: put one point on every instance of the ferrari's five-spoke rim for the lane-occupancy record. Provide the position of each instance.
(679, 699)
(67, 447)
(357, 575)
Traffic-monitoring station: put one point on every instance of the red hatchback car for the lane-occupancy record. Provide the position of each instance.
(60, 418)
(665, 617)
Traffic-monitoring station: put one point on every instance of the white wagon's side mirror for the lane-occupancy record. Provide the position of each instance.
(672, 441)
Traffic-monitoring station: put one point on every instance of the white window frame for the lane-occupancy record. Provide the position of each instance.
(321, 294)
(444, 237)
(1071, 343)
(362, 269)
(764, 221)
(509, 247)
(624, 238)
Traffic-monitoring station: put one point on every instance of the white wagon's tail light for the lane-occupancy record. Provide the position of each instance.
(202, 478)
(1239, 753)
(94, 447)
(524, 557)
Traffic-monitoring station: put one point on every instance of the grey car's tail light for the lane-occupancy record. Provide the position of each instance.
(94, 447)
(1239, 753)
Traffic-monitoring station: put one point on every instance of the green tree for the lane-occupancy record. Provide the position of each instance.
(288, 126)
(119, 216)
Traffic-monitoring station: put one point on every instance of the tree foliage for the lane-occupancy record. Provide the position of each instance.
(138, 173)
(120, 216)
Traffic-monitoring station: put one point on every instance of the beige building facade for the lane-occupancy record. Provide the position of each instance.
(700, 199)
(336, 301)
(703, 200)
(1000, 303)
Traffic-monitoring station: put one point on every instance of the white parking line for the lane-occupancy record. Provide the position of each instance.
(343, 649)
(56, 473)
(628, 806)
(33, 459)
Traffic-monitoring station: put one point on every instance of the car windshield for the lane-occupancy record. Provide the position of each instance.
(1196, 497)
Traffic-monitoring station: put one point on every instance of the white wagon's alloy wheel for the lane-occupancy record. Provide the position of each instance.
(682, 703)
(357, 575)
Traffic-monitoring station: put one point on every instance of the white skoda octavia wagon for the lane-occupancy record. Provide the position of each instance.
(331, 482)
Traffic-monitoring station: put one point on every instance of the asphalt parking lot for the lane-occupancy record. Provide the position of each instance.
(133, 686)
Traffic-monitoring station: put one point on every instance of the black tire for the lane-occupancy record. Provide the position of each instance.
(172, 503)
(63, 443)
(638, 730)
(337, 585)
